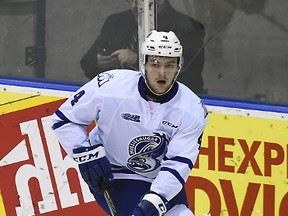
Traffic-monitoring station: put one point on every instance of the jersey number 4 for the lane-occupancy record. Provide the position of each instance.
(77, 97)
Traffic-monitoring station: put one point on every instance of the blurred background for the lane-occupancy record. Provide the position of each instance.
(246, 42)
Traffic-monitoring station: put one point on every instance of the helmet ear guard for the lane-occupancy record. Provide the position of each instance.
(165, 44)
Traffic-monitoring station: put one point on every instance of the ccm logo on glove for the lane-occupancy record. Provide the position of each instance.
(88, 154)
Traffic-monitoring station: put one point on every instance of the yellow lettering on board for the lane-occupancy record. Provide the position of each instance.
(2, 208)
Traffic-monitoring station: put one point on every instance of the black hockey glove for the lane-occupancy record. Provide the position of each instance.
(94, 167)
(152, 204)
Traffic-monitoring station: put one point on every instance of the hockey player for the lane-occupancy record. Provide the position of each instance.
(148, 133)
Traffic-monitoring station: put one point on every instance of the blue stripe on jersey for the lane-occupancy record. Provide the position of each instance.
(182, 160)
(121, 169)
(175, 173)
(124, 171)
(64, 121)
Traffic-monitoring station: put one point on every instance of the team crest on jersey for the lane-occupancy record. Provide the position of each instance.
(146, 152)
(104, 78)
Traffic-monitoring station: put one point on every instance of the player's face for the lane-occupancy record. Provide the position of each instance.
(160, 72)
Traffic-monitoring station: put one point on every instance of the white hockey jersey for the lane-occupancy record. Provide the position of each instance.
(144, 140)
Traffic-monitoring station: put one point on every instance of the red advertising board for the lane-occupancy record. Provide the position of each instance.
(32, 184)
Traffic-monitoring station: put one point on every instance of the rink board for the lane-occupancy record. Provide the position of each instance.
(242, 168)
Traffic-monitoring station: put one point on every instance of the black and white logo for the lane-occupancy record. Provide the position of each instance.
(146, 152)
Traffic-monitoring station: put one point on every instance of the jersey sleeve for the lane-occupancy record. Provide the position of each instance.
(182, 153)
(70, 121)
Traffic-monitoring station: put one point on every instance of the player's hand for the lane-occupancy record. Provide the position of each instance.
(152, 204)
(125, 56)
(94, 167)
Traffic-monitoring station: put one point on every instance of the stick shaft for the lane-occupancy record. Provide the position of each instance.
(110, 203)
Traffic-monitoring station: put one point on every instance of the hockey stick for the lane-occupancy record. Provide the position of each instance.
(109, 200)
(110, 203)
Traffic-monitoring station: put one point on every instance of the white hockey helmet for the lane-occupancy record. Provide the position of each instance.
(165, 44)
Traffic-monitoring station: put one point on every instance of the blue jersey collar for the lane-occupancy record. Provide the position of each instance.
(172, 92)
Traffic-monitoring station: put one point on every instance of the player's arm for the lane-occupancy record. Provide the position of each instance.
(181, 155)
(70, 122)
(73, 117)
